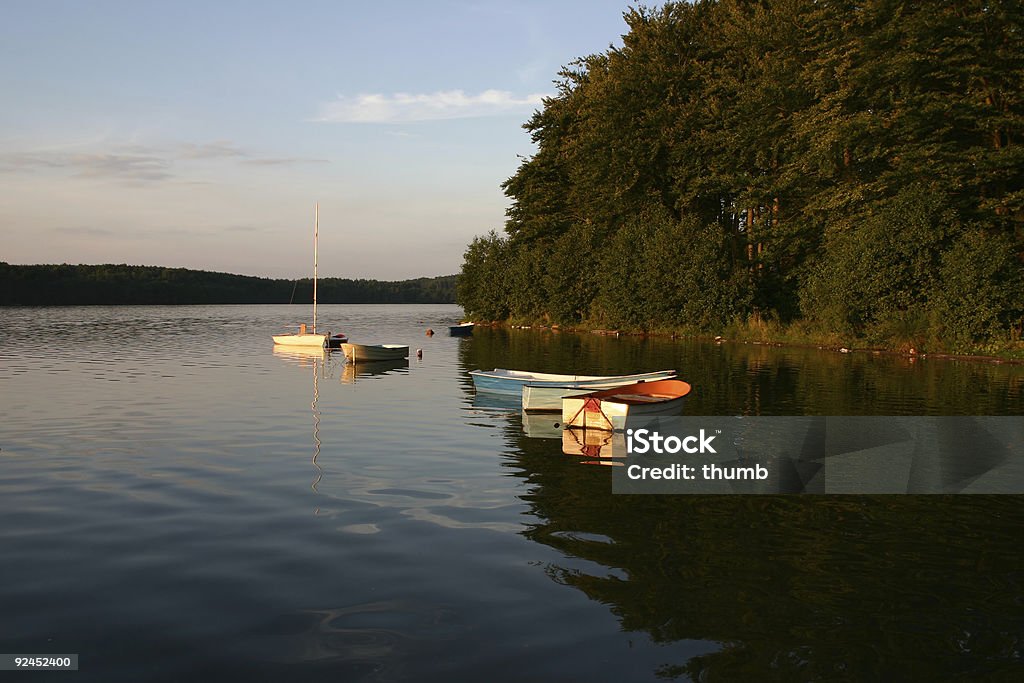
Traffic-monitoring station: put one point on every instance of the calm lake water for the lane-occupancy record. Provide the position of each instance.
(179, 501)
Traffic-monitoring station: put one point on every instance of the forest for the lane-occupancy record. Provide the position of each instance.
(829, 171)
(65, 285)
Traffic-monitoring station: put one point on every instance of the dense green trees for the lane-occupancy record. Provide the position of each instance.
(47, 285)
(852, 165)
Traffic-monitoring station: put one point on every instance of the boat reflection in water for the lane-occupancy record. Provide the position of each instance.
(596, 446)
(352, 372)
(595, 443)
(541, 425)
(319, 360)
(303, 356)
(775, 587)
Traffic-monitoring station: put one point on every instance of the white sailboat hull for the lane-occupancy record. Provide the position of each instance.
(306, 340)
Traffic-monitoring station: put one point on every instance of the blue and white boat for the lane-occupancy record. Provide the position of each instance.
(502, 381)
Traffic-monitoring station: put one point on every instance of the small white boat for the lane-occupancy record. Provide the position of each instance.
(504, 381)
(374, 352)
(302, 338)
(548, 397)
(602, 409)
(461, 330)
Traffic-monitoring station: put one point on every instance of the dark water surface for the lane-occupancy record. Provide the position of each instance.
(178, 501)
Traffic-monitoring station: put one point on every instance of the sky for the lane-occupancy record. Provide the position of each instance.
(201, 133)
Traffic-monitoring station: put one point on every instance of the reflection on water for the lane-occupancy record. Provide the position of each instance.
(318, 359)
(379, 637)
(825, 588)
(451, 537)
(301, 355)
(593, 443)
(753, 379)
(316, 428)
(353, 371)
(541, 425)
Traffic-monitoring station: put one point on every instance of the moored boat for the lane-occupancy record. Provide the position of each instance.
(602, 409)
(311, 338)
(374, 352)
(461, 330)
(301, 339)
(504, 381)
(548, 397)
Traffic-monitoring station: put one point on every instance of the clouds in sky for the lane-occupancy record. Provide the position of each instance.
(137, 164)
(436, 106)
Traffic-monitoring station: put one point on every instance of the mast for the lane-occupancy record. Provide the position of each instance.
(316, 230)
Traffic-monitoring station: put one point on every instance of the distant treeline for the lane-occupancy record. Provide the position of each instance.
(853, 167)
(47, 285)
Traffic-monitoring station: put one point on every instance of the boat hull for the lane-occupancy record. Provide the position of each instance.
(374, 352)
(548, 398)
(300, 339)
(501, 381)
(609, 409)
(464, 330)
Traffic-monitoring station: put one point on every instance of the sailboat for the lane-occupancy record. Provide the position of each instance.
(312, 337)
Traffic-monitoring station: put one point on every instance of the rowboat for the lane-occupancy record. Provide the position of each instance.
(491, 402)
(373, 352)
(548, 397)
(503, 381)
(602, 409)
(541, 398)
(461, 330)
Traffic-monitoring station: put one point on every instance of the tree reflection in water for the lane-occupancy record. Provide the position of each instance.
(820, 588)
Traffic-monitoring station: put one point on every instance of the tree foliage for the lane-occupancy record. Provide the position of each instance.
(65, 285)
(853, 163)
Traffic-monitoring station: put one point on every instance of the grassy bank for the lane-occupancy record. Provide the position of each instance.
(803, 334)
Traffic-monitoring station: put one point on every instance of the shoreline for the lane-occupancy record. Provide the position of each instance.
(719, 340)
